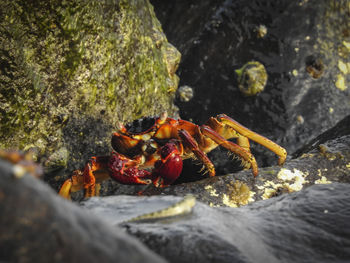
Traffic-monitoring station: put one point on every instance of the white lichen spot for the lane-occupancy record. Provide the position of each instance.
(18, 171)
(325, 211)
(296, 176)
(211, 191)
(260, 187)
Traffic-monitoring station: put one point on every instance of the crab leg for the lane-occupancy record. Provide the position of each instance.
(240, 151)
(191, 144)
(281, 152)
(85, 178)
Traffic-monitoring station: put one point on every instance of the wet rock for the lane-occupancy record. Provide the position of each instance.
(308, 226)
(38, 226)
(70, 70)
(305, 47)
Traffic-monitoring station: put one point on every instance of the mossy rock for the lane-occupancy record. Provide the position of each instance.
(71, 69)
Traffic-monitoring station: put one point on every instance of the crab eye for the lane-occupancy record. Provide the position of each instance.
(149, 147)
(140, 125)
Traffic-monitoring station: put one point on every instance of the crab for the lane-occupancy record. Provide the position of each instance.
(151, 150)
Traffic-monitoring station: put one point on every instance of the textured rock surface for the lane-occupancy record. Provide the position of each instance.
(69, 70)
(312, 225)
(38, 226)
(218, 37)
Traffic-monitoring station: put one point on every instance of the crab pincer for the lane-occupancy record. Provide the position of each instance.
(123, 170)
(169, 167)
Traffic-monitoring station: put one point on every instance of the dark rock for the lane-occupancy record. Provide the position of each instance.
(303, 50)
(312, 225)
(38, 226)
(341, 129)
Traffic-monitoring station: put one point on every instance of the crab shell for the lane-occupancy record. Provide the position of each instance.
(144, 138)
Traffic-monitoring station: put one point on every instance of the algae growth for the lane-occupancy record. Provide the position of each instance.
(72, 69)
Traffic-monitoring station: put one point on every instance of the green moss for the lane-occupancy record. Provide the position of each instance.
(91, 61)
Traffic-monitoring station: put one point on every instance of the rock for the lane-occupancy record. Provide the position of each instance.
(38, 226)
(324, 161)
(312, 225)
(301, 41)
(71, 69)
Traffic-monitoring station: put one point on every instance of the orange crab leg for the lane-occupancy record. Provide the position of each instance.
(240, 151)
(191, 144)
(281, 152)
(85, 179)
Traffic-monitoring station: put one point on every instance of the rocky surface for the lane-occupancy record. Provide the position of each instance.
(304, 46)
(69, 70)
(324, 161)
(308, 226)
(38, 226)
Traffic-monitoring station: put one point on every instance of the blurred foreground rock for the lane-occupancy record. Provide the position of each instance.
(38, 226)
(312, 225)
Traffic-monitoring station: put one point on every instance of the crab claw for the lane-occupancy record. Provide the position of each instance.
(123, 170)
(169, 167)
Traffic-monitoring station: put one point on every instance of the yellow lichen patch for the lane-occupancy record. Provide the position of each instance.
(323, 180)
(307, 155)
(342, 67)
(346, 44)
(348, 166)
(269, 192)
(271, 189)
(326, 152)
(340, 82)
(238, 194)
(211, 191)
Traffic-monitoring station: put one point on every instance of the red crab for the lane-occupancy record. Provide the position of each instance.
(161, 143)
